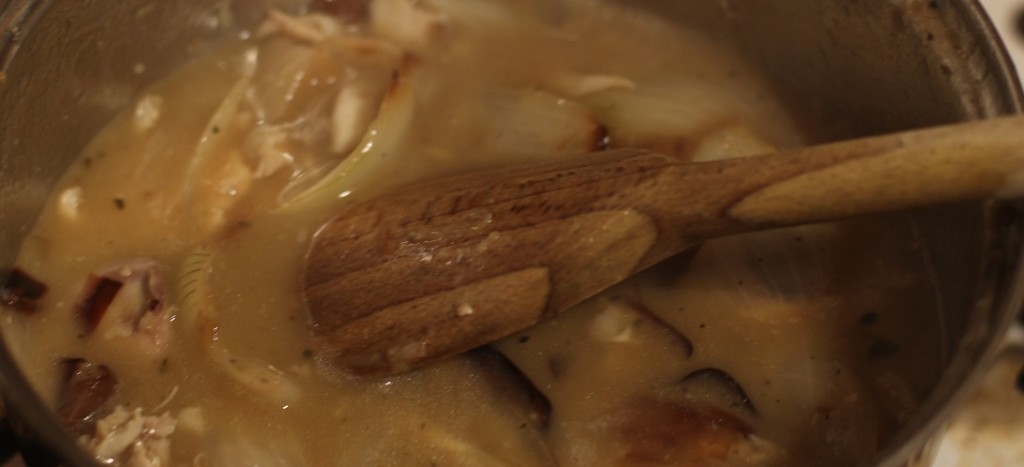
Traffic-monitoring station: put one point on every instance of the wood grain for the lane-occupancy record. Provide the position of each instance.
(388, 282)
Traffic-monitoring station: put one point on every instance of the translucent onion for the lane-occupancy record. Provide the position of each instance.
(384, 136)
(197, 320)
(672, 118)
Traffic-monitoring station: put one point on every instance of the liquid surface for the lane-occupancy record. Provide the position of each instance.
(173, 329)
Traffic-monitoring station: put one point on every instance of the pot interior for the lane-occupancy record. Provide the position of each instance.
(848, 68)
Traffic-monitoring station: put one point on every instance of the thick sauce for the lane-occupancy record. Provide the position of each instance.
(173, 330)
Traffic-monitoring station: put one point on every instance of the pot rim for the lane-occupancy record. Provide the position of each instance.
(917, 439)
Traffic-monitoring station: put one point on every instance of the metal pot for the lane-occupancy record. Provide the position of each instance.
(864, 67)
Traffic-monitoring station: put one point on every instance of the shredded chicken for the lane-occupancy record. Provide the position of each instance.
(147, 112)
(614, 324)
(131, 438)
(267, 146)
(69, 201)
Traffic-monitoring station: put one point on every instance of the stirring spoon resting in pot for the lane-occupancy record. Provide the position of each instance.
(435, 269)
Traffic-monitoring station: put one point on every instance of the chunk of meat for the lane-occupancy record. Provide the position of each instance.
(86, 393)
(125, 303)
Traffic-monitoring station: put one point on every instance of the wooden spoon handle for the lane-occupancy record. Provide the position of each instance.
(436, 269)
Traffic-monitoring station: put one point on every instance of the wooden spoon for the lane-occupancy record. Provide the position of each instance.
(436, 269)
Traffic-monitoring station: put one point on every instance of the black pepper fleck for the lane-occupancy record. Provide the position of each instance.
(524, 339)
(119, 203)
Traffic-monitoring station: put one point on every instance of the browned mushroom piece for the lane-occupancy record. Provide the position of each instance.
(86, 393)
(505, 377)
(19, 290)
(126, 301)
(719, 388)
(662, 432)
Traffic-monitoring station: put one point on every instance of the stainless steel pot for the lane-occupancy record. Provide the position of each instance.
(862, 67)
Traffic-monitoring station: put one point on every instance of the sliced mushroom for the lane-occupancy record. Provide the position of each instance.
(658, 432)
(719, 388)
(19, 290)
(85, 394)
(505, 377)
(125, 301)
